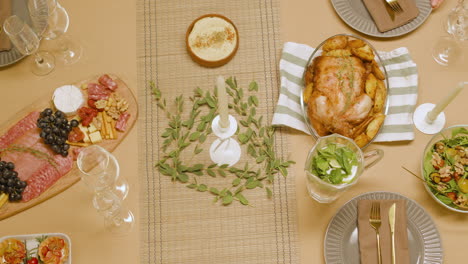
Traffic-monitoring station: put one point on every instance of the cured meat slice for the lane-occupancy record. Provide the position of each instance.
(46, 176)
(19, 129)
(108, 82)
(23, 146)
(98, 92)
(121, 124)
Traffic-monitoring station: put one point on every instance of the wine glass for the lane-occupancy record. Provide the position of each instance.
(27, 43)
(100, 171)
(58, 22)
(447, 49)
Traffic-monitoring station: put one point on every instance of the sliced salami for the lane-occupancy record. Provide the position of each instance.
(98, 92)
(121, 124)
(108, 82)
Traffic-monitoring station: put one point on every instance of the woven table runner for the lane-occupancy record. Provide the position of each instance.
(178, 224)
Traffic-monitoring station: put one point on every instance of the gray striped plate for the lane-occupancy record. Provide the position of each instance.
(355, 14)
(20, 8)
(341, 239)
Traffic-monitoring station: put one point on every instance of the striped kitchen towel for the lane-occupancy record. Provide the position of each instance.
(403, 92)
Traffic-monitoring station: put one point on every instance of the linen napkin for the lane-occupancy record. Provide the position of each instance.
(403, 91)
(5, 12)
(383, 20)
(367, 236)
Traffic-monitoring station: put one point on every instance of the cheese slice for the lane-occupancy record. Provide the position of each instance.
(68, 99)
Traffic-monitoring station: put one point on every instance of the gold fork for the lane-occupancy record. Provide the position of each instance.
(395, 5)
(375, 222)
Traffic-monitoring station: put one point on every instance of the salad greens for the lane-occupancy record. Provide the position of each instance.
(335, 164)
(446, 169)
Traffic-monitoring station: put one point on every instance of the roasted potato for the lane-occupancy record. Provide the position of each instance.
(338, 42)
(356, 43)
(309, 75)
(371, 85)
(365, 52)
(338, 53)
(376, 71)
(380, 95)
(362, 140)
(374, 125)
(308, 92)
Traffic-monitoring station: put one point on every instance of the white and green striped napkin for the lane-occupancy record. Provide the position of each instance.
(403, 92)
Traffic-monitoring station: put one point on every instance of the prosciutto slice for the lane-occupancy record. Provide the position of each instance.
(39, 173)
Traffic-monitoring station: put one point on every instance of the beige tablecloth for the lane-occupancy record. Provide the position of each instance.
(108, 36)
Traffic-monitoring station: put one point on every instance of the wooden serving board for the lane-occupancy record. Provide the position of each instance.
(73, 176)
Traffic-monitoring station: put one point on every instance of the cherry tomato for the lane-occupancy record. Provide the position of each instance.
(452, 196)
(33, 261)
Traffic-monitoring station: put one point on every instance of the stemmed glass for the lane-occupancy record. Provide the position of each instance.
(27, 43)
(100, 171)
(447, 49)
(58, 22)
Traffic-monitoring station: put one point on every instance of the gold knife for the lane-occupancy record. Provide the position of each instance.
(390, 12)
(391, 221)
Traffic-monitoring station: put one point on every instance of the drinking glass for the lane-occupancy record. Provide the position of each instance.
(100, 171)
(27, 43)
(325, 192)
(58, 21)
(447, 49)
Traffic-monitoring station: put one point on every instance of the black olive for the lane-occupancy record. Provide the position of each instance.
(43, 134)
(68, 128)
(55, 130)
(64, 153)
(2, 188)
(66, 146)
(2, 181)
(60, 141)
(58, 121)
(7, 174)
(74, 123)
(14, 174)
(47, 130)
(59, 114)
(19, 197)
(23, 184)
(11, 183)
(19, 190)
(10, 165)
(2, 165)
(51, 118)
(9, 189)
(43, 125)
(48, 111)
(63, 132)
(55, 148)
(12, 197)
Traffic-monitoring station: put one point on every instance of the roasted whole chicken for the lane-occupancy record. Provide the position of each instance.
(344, 90)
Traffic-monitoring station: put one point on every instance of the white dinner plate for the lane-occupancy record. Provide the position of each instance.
(341, 239)
(355, 14)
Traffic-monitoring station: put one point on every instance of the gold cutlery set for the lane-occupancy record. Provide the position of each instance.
(375, 221)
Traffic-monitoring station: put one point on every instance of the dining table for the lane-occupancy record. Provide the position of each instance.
(109, 32)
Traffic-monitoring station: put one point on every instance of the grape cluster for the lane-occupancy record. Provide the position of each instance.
(10, 183)
(55, 129)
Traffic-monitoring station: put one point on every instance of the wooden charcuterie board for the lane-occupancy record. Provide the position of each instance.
(73, 176)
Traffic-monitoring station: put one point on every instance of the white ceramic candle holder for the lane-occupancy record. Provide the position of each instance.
(225, 151)
(424, 124)
(224, 132)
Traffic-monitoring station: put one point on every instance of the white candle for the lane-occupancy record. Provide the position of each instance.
(432, 115)
(222, 103)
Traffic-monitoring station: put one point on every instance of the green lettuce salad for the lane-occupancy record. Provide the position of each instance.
(335, 164)
(446, 169)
